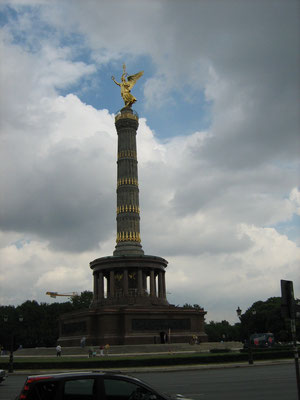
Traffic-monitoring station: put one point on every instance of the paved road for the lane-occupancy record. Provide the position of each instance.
(11, 387)
(272, 382)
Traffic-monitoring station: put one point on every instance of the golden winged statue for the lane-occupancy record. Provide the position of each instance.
(127, 85)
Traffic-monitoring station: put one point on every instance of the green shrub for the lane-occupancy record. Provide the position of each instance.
(220, 351)
(142, 361)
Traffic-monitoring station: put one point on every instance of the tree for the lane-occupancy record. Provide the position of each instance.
(222, 331)
(8, 320)
(39, 326)
(83, 300)
(194, 306)
(265, 316)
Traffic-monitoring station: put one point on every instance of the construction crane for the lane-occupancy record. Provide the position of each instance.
(54, 294)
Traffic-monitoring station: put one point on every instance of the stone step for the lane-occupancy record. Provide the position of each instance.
(132, 349)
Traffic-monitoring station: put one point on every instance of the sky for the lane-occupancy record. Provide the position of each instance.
(218, 144)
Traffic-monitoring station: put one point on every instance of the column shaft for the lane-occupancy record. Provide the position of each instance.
(160, 284)
(152, 283)
(128, 218)
(125, 282)
(95, 286)
(140, 282)
(100, 286)
(112, 283)
(164, 285)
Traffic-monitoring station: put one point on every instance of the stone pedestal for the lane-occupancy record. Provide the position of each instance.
(132, 325)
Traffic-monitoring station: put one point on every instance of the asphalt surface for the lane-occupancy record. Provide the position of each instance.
(261, 381)
(257, 382)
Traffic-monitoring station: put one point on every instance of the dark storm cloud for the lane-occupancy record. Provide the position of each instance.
(59, 198)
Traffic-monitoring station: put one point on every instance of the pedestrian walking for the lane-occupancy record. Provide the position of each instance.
(82, 342)
(58, 351)
(101, 350)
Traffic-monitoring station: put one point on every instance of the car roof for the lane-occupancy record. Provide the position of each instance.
(78, 373)
(74, 374)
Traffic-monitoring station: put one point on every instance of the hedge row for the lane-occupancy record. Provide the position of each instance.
(268, 349)
(144, 361)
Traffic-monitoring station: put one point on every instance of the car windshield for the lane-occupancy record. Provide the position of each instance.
(116, 389)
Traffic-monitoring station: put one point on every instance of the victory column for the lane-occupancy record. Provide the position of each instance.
(129, 298)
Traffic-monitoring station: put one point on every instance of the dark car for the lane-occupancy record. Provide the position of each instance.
(260, 340)
(2, 375)
(89, 386)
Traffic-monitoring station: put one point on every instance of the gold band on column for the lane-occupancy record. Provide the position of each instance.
(128, 237)
(127, 154)
(128, 208)
(127, 181)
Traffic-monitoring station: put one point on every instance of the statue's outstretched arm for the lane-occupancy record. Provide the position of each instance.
(117, 83)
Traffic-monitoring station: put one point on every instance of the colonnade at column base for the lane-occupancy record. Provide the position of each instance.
(129, 280)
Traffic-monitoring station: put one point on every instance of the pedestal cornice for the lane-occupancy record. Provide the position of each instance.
(128, 261)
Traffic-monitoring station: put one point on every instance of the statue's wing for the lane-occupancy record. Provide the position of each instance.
(132, 79)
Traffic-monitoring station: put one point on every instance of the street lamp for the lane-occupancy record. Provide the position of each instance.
(239, 312)
(11, 351)
(250, 354)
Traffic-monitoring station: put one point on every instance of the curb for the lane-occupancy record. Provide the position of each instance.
(162, 369)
